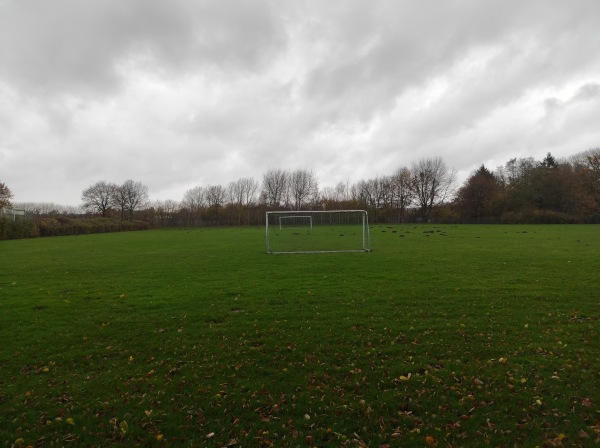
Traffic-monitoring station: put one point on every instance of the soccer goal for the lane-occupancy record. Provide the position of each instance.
(295, 232)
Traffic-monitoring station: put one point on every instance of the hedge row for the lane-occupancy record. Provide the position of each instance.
(61, 226)
(14, 230)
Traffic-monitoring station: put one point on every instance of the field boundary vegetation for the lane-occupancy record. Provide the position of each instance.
(63, 225)
(522, 191)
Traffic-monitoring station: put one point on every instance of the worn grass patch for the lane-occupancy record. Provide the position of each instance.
(443, 335)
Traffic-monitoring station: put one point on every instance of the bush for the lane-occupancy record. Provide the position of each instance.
(62, 226)
(14, 230)
(537, 216)
(83, 226)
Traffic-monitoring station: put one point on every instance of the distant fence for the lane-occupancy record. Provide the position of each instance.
(11, 212)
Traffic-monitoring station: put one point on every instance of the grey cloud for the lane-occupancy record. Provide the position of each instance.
(192, 92)
(401, 45)
(588, 92)
(75, 46)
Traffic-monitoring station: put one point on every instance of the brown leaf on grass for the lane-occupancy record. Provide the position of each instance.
(430, 441)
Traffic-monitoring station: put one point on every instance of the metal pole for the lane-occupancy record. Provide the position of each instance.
(267, 230)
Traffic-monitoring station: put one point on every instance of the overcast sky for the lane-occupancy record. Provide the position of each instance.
(180, 93)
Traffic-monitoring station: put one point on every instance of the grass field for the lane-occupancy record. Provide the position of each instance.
(442, 336)
(325, 238)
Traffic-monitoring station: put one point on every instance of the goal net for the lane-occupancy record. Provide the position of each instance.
(291, 232)
(295, 222)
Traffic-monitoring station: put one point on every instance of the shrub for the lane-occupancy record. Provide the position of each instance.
(61, 226)
(13, 230)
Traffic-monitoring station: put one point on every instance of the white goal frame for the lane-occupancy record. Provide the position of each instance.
(363, 239)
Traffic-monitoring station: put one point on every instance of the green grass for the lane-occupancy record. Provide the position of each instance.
(324, 238)
(447, 335)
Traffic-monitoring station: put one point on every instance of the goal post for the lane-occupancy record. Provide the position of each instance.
(289, 232)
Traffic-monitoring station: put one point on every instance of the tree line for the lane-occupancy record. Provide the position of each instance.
(408, 194)
(526, 190)
(522, 190)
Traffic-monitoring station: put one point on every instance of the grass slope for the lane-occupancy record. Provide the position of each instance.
(443, 335)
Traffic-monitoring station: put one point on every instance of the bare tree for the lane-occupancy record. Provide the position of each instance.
(194, 200)
(165, 211)
(386, 192)
(249, 189)
(342, 191)
(242, 193)
(98, 198)
(235, 198)
(275, 183)
(432, 183)
(5, 196)
(215, 197)
(367, 192)
(130, 197)
(328, 196)
(403, 195)
(304, 188)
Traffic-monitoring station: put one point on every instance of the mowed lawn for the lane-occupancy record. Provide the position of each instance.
(442, 336)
